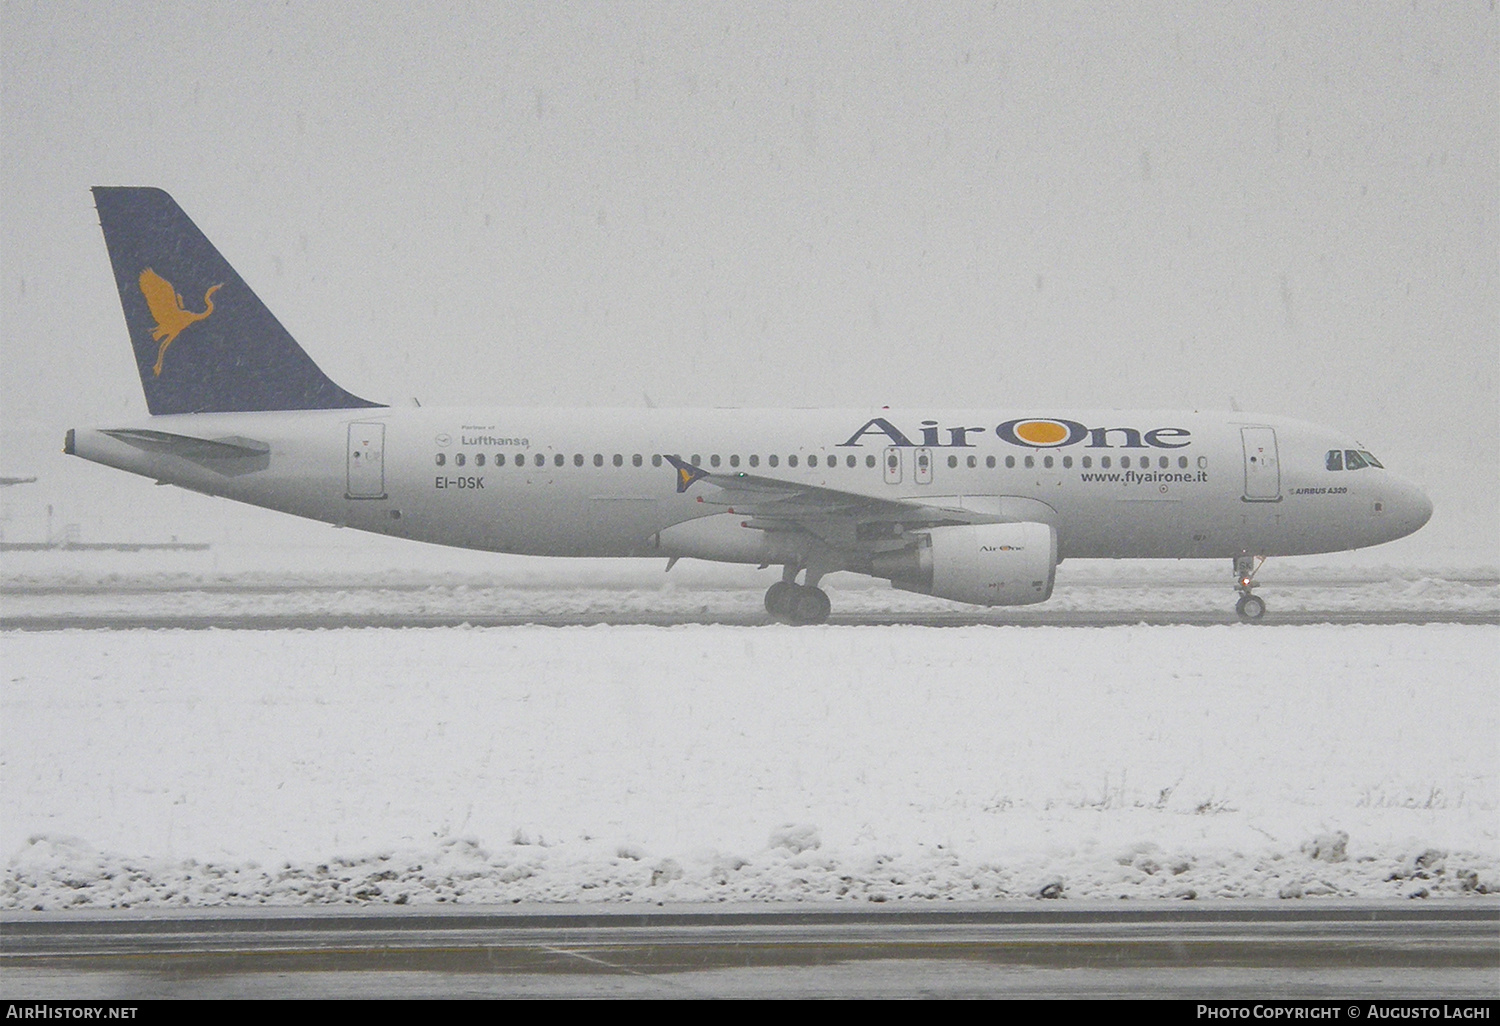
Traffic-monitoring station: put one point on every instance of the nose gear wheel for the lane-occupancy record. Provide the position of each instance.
(1249, 607)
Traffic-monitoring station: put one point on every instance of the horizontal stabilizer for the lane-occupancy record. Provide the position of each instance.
(233, 448)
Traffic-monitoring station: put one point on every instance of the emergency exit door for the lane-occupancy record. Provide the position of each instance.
(892, 463)
(922, 466)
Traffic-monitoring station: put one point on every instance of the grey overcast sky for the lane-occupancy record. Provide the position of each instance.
(1027, 205)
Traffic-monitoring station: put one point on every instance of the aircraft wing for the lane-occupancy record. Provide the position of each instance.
(776, 504)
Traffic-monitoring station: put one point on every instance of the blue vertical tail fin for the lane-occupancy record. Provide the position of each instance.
(204, 343)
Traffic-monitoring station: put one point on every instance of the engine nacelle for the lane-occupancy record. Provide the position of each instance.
(983, 564)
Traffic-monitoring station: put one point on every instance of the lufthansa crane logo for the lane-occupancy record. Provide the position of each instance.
(168, 311)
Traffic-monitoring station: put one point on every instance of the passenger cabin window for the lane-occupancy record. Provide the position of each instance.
(1104, 462)
(771, 461)
(973, 462)
(734, 461)
(755, 461)
(656, 460)
(1334, 460)
(1010, 462)
(1182, 462)
(458, 460)
(952, 462)
(1030, 462)
(499, 459)
(598, 459)
(635, 461)
(791, 461)
(1047, 462)
(713, 461)
(441, 459)
(989, 461)
(870, 460)
(1067, 461)
(812, 461)
(557, 460)
(578, 459)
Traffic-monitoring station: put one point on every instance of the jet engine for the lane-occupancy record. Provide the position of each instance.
(983, 564)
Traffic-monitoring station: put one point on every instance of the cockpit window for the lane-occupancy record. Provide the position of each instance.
(1371, 460)
(1353, 460)
(1335, 459)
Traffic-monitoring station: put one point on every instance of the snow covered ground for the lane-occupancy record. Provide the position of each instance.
(429, 581)
(748, 763)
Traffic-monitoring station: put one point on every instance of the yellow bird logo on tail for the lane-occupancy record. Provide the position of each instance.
(167, 310)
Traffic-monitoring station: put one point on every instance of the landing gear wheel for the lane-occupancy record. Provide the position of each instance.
(1251, 608)
(779, 597)
(810, 605)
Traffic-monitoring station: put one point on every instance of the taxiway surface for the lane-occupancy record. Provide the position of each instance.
(1053, 618)
(1310, 950)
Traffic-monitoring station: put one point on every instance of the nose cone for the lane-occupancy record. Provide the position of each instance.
(1412, 509)
(1424, 509)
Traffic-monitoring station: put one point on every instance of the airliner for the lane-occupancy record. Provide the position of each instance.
(973, 505)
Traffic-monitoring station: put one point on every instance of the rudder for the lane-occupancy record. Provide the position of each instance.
(203, 341)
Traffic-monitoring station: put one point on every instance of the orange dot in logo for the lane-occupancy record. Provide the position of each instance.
(1041, 432)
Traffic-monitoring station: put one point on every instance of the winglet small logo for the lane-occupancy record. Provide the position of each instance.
(168, 311)
(686, 473)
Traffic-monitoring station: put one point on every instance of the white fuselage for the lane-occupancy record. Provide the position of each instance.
(590, 482)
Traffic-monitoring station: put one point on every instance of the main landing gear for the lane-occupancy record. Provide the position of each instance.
(795, 603)
(1250, 607)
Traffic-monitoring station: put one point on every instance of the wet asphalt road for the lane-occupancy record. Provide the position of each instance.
(1213, 950)
(1057, 618)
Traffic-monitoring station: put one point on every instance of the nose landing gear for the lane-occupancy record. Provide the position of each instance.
(798, 604)
(1250, 607)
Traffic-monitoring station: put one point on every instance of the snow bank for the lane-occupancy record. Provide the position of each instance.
(54, 873)
(761, 764)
